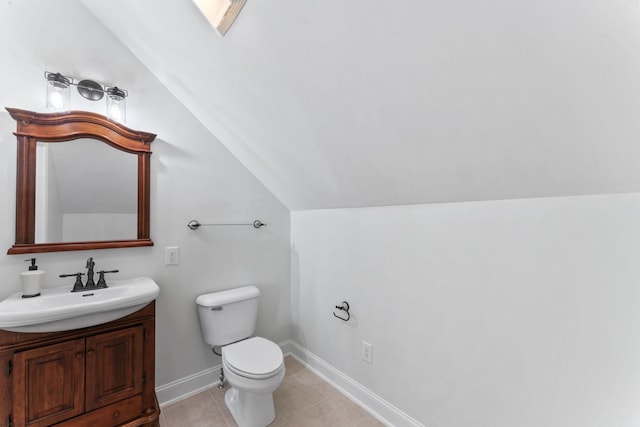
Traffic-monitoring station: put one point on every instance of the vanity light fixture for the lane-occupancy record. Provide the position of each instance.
(58, 95)
(220, 13)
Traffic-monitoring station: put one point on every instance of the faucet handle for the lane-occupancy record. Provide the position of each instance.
(77, 286)
(101, 282)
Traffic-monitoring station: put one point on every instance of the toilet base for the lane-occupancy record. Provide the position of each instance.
(250, 409)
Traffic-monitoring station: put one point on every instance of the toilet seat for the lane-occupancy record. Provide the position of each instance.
(255, 358)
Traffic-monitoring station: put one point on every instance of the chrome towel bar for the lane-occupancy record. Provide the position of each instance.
(194, 224)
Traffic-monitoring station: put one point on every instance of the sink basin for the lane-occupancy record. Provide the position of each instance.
(59, 309)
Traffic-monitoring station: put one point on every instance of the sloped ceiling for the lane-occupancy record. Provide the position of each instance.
(378, 102)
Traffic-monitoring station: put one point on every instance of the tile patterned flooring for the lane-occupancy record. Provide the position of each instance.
(303, 400)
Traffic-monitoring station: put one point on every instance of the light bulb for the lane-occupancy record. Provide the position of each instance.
(116, 104)
(58, 92)
(114, 112)
(56, 100)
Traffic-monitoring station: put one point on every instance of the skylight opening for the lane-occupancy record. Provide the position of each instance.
(220, 13)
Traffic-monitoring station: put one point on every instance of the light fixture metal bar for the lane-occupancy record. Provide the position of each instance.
(85, 84)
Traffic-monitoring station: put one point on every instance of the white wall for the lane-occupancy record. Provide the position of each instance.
(510, 313)
(192, 176)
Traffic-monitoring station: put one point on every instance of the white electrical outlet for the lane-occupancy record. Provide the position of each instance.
(367, 352)
(171, 255)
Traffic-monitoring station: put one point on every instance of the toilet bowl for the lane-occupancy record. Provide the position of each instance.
(255, 369)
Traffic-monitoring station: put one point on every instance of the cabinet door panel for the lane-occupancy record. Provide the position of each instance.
(114, 367)
(49, 384)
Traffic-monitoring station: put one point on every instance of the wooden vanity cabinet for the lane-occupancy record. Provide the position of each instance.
(99, 376)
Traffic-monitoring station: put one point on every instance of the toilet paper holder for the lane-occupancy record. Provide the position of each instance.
(344, 307)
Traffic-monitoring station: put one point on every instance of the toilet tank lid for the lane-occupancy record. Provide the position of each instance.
(228, 297)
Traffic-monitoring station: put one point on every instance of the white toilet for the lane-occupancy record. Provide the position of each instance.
(254, 367)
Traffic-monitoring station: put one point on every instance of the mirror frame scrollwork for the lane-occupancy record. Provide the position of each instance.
(58, 127)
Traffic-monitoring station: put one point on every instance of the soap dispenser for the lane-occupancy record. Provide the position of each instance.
(31, 280)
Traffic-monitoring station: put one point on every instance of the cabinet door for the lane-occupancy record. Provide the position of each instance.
(48, 384)
(114, 367)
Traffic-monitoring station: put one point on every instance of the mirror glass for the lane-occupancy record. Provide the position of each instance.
(84, 192)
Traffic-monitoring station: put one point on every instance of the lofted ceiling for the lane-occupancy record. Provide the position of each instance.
(378, 102)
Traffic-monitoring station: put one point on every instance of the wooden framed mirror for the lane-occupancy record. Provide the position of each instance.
(78, 220)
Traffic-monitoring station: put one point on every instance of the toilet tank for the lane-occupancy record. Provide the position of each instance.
(228, 316)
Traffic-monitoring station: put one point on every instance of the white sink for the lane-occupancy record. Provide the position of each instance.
(60, 309)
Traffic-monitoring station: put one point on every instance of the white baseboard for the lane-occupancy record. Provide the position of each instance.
(371, 402)
(188, 386)
(368, 400)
